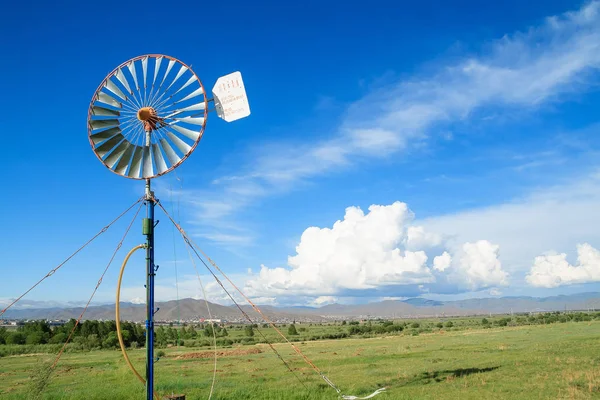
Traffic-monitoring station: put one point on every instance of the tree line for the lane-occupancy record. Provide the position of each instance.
(94, 334)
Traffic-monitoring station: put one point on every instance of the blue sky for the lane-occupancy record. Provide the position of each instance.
(473, 126)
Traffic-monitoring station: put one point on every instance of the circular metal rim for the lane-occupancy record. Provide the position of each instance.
(193, 147)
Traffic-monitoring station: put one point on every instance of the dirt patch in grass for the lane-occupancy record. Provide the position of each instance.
(222, 353)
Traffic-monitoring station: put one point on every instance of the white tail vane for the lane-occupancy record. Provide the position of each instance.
(231, 102)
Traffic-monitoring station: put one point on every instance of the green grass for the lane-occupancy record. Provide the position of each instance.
(557, 361)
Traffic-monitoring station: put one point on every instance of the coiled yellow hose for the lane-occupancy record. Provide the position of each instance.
(118, 317)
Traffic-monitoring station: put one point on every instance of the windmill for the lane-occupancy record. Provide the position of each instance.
(145, 119)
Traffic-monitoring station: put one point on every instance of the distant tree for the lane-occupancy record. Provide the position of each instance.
(111, 341)
(439, 325)
(58, 338)
(248, 330)
(449, 324)
(34, 338)
(344, 322)
(292, 330)
(224, 332)
(415, 325)
(15, 338)
(485, 321)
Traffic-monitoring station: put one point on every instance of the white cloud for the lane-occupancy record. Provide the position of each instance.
(556, 217)
(520, 71)
(480, 266)
(440, 263)
(323, 300)
(553, 270)
(369, 252)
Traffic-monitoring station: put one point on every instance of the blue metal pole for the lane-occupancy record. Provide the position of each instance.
(150, 272)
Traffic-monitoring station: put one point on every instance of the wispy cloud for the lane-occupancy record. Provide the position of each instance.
(521, 71)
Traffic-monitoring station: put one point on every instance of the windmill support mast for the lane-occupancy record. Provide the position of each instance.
(148, 231)
(182, 109)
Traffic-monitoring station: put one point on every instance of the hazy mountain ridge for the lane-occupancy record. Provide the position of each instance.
(190, 309)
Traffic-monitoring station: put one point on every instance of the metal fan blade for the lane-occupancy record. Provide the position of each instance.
(159, 161)
(136, 163)
(156, 68)
(107, 146)
(110, 85)
(169, 66)
(112, 159)
(104, 112)
(131, 67)
(169, 152)
(104, 123)
(195, 93)
(103, 135)
(145, 68)
(121, 167)
(121, 78)
(188, 83)
(191, 120)
(147, 168)
(181, 72)
(180, 144)
(106, 99)
(194, 107)
(187, 132)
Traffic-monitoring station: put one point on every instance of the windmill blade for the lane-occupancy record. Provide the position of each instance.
(112, 159)
(110, 85)
(102, 97)
(194, 107)
(169, 152)
(187, 132)
(181, 71)
(103, 135)
(190, 120)
(169, 66)
(107, 146)
(131, 68)
(159, 161)
(156, 68)
(147, 169)
(121, 167)
(180, 144)
(104, 112)
(121, 78)
(104, 123)
(188, 83)
(145, 68)
(136, 163)
(195, 93)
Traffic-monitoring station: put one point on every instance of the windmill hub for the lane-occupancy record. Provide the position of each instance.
(148, 117)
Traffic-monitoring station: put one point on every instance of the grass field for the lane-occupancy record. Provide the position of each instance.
(557, 361)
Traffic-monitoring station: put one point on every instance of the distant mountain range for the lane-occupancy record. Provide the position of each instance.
(190, 309)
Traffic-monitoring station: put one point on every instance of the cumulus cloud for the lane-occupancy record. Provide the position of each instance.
(553, 270)
(323, 300)
(371, 251)
(440, 263)
(480, 266)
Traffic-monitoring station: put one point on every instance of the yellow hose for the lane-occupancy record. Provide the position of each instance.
(118, 317)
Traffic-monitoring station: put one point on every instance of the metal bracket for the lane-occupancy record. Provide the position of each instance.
(156, 223)
(157, 308)
(156, 267)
